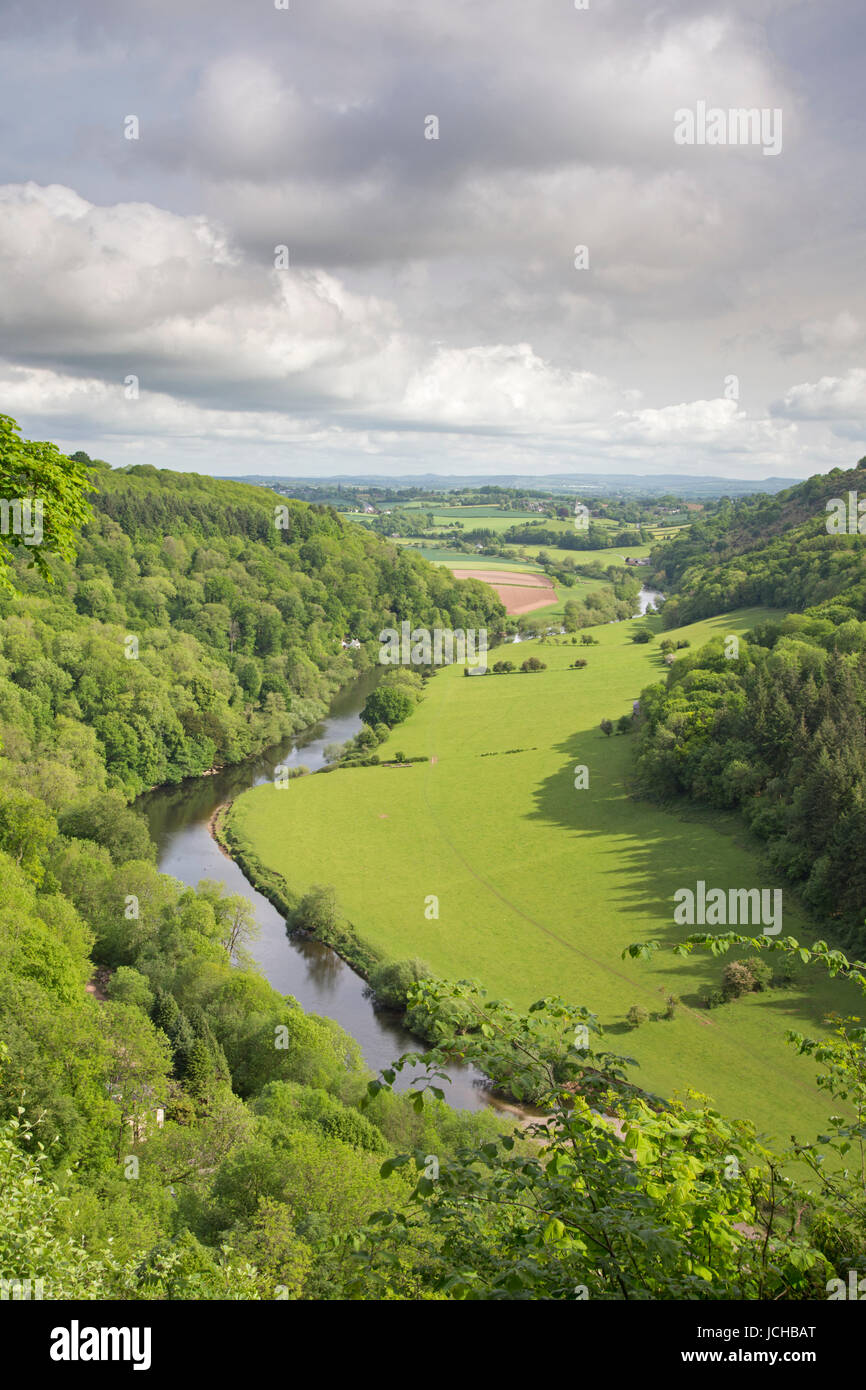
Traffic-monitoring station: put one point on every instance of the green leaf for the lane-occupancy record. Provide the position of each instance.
(554, 1232)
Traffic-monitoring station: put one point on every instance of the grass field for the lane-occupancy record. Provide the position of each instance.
(541, 886)
(454, 559)
(489, 519)
(457, 559)
(486, 518)
(615, 556)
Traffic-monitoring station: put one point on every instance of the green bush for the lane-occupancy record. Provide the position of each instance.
(761, 972)
(129, 986)
(387, 705)
(391, 981)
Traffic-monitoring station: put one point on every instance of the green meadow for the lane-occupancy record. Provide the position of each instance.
(457, 559)
(540, 885)
(615, 556)
(486, 518)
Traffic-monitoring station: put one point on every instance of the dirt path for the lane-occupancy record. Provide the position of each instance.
(97, 986)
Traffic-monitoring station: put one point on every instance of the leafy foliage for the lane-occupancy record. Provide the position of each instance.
(40, 476)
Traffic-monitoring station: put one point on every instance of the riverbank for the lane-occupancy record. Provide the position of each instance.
(181, 819)
(358, 954)
(213, 826)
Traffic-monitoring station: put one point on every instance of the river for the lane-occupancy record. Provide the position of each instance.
(647, 599)
(316, 976)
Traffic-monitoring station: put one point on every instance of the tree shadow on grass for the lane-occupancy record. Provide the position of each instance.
(654, 850)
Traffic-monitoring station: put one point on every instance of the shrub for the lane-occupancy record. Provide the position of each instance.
(317, 912)
(606, 727)
(129, 986)
(761, 972)
(636, 1016)
(671, 1006)
(624, 723)
(532, 663)
(392, 981)
(737, 979)
(294, 1106)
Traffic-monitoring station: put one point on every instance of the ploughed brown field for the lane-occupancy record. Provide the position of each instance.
(520, 592)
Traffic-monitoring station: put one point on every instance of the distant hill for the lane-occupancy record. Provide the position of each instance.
(773, 550)
(607, 484)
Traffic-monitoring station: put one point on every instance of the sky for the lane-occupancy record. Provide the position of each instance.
(344, 236)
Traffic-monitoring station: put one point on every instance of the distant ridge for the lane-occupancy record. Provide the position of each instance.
(606, 483)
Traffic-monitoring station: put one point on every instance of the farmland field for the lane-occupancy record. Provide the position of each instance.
(540, 887)
(461, 563)
(520, 592)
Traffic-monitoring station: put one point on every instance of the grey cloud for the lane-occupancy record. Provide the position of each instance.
(305, 127)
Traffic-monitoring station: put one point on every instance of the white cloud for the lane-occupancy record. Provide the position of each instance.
(830, 398)
(499, 386)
